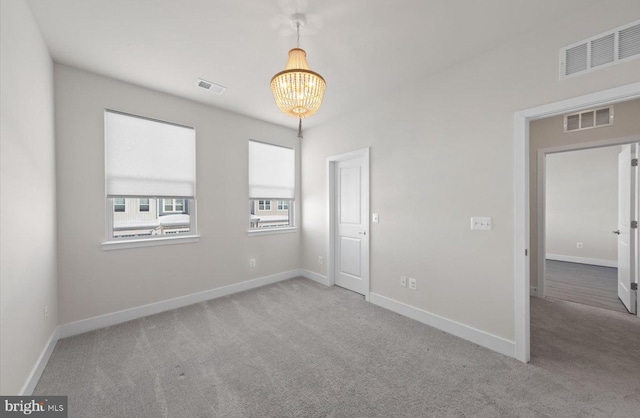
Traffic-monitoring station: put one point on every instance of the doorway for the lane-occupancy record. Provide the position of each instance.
(522, 228)
(348, 198)
(586, 199)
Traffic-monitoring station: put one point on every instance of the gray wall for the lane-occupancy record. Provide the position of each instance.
(548, 133)
(582, 204)
(441, 152)
(27, 196)
(95, 282)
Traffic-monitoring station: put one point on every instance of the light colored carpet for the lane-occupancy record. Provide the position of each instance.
(298, 349)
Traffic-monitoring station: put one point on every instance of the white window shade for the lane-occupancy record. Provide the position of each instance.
(271, 171)
(148, 158)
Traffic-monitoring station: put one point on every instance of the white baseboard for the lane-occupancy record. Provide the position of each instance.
(316, 277)
(490, 341)
(38, 368)
(533, 291)
(583, 260)
(97, 322)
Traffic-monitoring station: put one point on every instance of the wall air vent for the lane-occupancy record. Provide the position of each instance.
(588, 119)
(208, 85)
(608, 48)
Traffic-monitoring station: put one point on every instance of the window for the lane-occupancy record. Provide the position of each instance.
(173, 205)
(119, 205)
(271, 186)
(264, 205)
(150, 166)
(144, 205)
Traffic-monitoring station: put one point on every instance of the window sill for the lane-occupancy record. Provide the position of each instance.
(148, 242)
(274, 231)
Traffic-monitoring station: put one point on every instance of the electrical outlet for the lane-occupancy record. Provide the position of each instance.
(403, 281)
(252, 262)
(413, 285)
(320, 259)
(579, 245)
(46, 312)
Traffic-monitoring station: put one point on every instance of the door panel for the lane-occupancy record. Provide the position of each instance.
(351, 226)
(350, 195)
(626, 244)
(350, 255)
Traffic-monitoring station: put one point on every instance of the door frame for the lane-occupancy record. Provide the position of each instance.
(331, 215)
(521, 174)
(542, 195)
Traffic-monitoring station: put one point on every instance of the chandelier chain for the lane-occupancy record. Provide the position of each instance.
(298, 34)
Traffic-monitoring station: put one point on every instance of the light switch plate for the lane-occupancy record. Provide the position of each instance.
(374, 218)
(481, 223)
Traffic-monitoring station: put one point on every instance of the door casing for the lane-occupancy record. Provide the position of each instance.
(521, 259)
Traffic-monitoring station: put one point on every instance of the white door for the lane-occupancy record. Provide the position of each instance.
(626, 240)
(351, 245)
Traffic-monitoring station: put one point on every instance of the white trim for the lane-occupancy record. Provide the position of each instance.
(272, 231)
(316, 277)
(38, 368)
(521, 196)
(97, 322)
(149, 242)
(490, 341)
(331, 162)
(582, 260)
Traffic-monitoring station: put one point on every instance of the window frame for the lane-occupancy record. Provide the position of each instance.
(140, 204)
(123, 204)
(112, 243)
(274, 201)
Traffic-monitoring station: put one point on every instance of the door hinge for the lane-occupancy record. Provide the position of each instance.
(634, 286)
(634, 162)
(634, 224)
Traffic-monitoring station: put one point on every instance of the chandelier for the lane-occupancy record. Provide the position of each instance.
(298, 91)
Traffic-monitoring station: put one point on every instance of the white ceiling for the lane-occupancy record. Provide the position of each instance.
(363, 48)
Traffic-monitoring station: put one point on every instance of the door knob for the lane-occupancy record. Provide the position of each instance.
(617, 232)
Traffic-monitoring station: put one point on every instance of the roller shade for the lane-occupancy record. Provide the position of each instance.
(271, 171)
(147, 157)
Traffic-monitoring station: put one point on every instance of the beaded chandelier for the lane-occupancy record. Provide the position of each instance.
(298, 91)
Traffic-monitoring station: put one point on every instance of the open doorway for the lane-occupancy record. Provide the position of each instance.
(586, 193)
(525, 199)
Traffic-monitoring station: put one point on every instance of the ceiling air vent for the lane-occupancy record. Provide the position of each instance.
(588, 119)
(208, 85)
(603, 50)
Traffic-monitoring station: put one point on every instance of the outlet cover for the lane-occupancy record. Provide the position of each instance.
(252, 262)
(413, 284)
(481, 223)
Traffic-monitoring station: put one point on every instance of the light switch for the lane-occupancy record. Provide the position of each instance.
(481, 223)
(374, 218)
